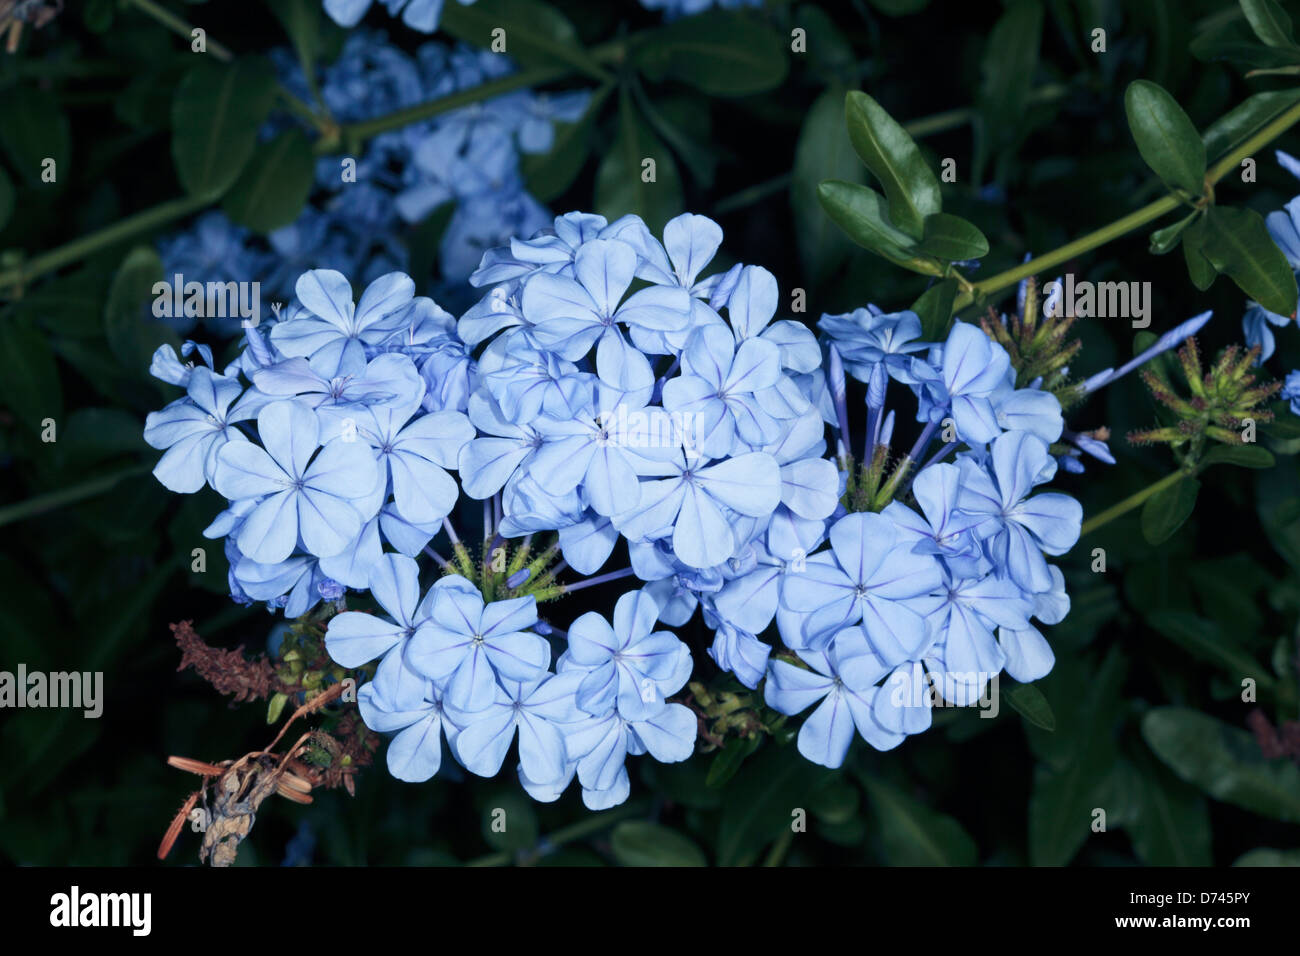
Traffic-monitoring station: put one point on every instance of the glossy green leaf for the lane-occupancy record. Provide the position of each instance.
(913, 834)
(1028, 701)
(638, 843)
(216, 112)
(1246, 119)
(1238, 244)
(910, 186)
(1166, 510)
(952, 238)
(822, 152)
(1166, 239)
(621, 185)
(718, 52)
(1165, 136)
(1224, 761)
(1269, 21)
(863, 214)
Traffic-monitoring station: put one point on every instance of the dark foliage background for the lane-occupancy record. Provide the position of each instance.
(92, 582)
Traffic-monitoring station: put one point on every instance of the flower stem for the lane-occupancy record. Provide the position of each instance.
(178, 26)
(598, 579)
(1131, 502)
(128, 228)
(1128, 223)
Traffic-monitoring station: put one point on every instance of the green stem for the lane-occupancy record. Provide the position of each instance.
(1130, 222)
(111, 236)
(354, 134)
(174, 23)
(128, 228)
(576, 831)
(1131, 502)
(65, 496)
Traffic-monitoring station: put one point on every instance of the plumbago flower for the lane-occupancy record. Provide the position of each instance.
(611, 393)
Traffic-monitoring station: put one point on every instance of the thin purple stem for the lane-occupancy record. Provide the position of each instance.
(442, 562)
(598, 579)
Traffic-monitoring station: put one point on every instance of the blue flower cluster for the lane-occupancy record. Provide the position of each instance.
(468, 158)
(1258, 323)
(608, 388)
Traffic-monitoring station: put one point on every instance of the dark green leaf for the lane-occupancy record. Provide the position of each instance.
(216, 112)
(1007, 69)
(822, 152)
(549, 174)
(830, 54)
(1246, 119)
(1029, 702)
(1238, 244)
(1269, 21)
(913, 834)
(34, 128)
(1199, 268)
(910, 186)
(274, 185)
(863, 213)
(620, 187)
(729, 759)
(1166, 510)
(952, 238)
(934, 308)
(1244, 456)
(1223, 761)
(719, 52)
(536, 34)
(638, 843)
(1171, 823)
(1208, 641)
(1079, 758)
(761, 801)
(302, 22)
(1164, 240)
(1165, 136)
(29, 379)
(132, 334)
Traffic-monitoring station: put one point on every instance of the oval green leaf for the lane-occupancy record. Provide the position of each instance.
(638, 843)
(1166, 137)
(891, 154)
